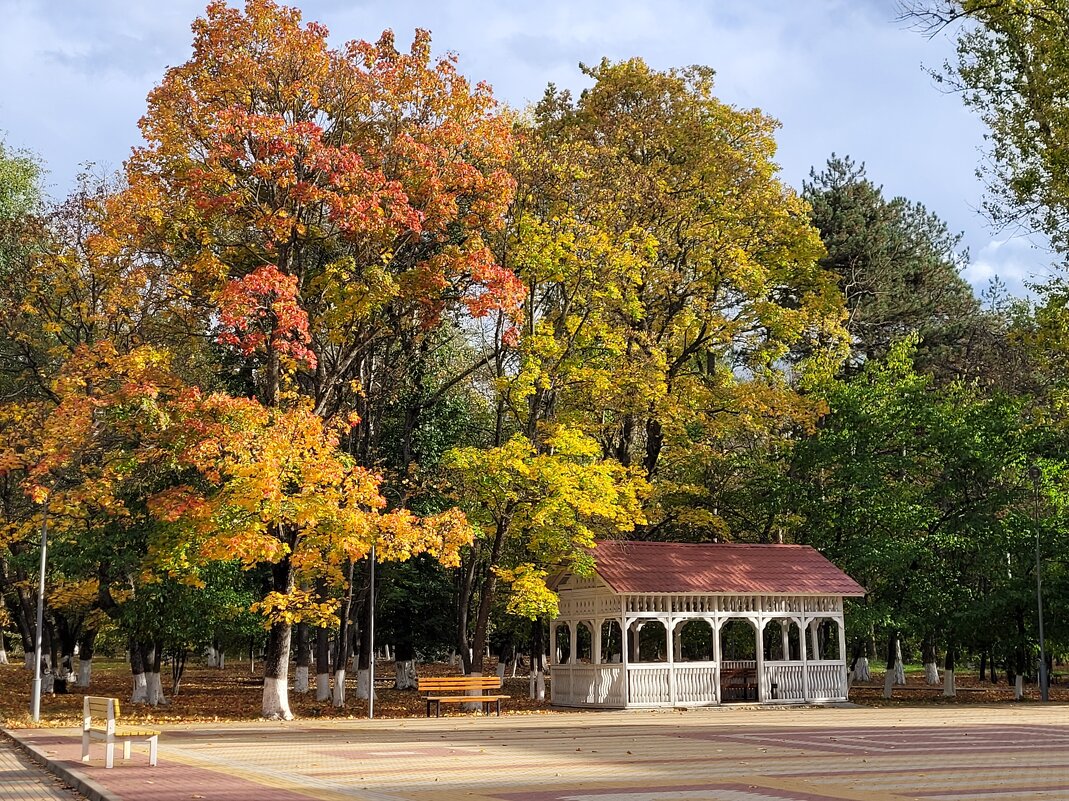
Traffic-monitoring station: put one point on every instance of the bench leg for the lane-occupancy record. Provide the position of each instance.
(126, 748)
(85, 746)
(152, 750)
(438, 709)
(428, 708)
(109, 754)
(499, 707)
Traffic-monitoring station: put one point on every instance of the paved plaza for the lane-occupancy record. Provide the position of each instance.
(940, 753)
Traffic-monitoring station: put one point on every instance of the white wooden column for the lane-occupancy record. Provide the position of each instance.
(759, 624)
(595, 639)
(803, 648)
(625, 658)
(814, 638)
(785, 639)
(715, 624)
(669, 631)
(845, 680)
(573, 627)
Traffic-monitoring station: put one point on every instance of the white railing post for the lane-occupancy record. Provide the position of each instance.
(759, 624)
(670, 642)
(805, 662)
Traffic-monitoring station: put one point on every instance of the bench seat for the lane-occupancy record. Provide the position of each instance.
(464, 688)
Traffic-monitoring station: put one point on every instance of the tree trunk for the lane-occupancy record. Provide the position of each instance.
(486, 601)
(86, 650)
(154, 689)
(892, 664)
(983, 665)
(929, 656)
(405, 667)
(538, 676)
(862, 668)
(275, 704)
(364, 657)
(3, 650)
(341, 654)
(949, 689)
(178, 669)
(137, 670)
(322, 664)
(304, 658)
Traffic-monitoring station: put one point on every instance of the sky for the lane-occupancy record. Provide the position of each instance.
(842, 76)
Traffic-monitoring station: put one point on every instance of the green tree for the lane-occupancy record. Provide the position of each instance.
(898, 268)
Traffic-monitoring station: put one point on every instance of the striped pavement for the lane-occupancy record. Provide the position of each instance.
(934, 753)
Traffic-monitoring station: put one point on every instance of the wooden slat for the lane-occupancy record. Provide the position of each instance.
(460, 683)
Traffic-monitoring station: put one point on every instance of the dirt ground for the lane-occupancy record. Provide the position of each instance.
(234, 693)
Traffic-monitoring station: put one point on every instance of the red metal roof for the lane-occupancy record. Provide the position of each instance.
(718, 568)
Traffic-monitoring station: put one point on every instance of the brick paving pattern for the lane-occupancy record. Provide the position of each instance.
(23, 780)
(850, 754)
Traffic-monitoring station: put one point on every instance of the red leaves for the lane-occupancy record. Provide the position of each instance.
(262, 311)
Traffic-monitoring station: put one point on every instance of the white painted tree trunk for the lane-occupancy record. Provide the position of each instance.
(322, 686)
(474, 706)
(452, 658)
(862, 671)
(85, 672)
(515, 663)
(48, 683)
(405, 672)
(900, 670)
(339, 687)
(214, 658)
(3, 651)
(140, 693)
(949, 689)
(301, 682)
(154, 690)
(363, 684)
(275, 704)
(1018, 688)
(538, 685)
(888, 683)
(931, 673)
(29, 660)
(501, 670)
(222, 660)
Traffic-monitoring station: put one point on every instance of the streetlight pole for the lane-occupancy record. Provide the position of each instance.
(35, 707)
(1044, 690)
(371, 638)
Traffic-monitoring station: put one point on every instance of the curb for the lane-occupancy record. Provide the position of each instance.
(74, 779)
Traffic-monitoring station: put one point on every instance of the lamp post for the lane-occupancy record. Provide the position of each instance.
(35, 704)
(1044, 691)
(371, 638)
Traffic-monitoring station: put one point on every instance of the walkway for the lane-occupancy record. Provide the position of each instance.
(21, 779)
(932, 753)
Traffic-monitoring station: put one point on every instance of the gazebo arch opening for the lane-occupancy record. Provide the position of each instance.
(782, 641)
(694, 641)
(562, 642)
(584, 643)
(738, 660)
(651, 642)
(611, 642)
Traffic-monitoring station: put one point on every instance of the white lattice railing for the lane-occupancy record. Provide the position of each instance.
(738, 664)
(648, 685)
(696, 683)
(787, 676)
(827, 681)
(587, 685)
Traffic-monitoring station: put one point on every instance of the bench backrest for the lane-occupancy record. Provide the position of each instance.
(460, 683)
(96, 706)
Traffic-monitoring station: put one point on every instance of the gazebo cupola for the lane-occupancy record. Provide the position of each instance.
(684, 624)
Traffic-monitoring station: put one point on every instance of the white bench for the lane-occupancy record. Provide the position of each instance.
(106, 710)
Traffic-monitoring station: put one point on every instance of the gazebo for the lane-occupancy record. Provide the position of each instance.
(705, 624)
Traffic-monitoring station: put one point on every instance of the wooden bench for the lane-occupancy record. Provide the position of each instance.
(106, 710)
(738, 681)
(470, 689)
